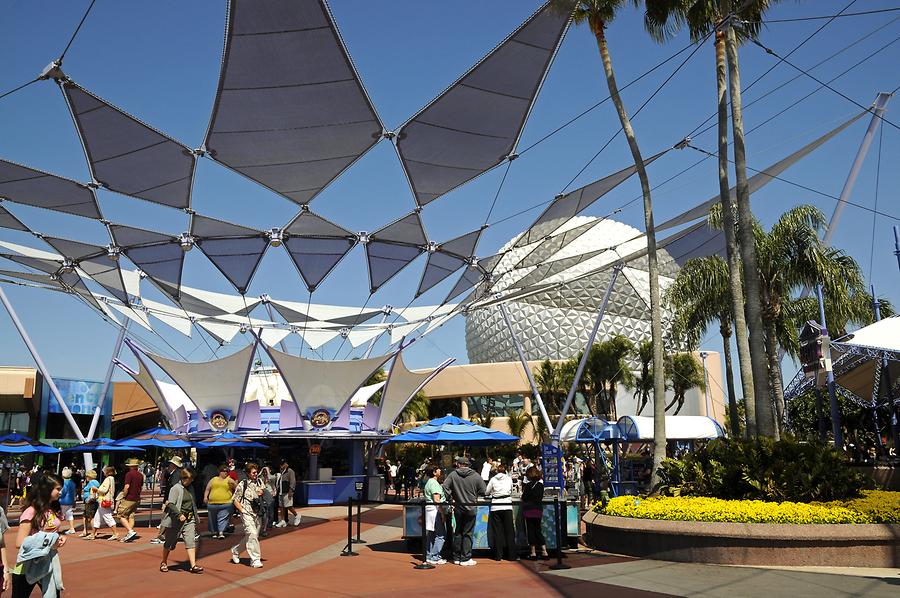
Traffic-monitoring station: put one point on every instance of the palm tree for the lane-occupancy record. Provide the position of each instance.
(702, 17)
(597, 14)
(643, 382)
(417, 408)
(549, 380)
(607, 367)
(517, 420)
(792, 257)
(685, 373)
(700, 295)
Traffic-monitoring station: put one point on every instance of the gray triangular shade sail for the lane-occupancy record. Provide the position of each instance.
(40, 189)
(128, 156)
(552, 245)
(158, 255)
(472, 276)
(449, 257)
(234, 250)
(759, 180)
(393, 247)
(92, 259)
(7, 220)
(475, 124)
(290, 111)
(316, 246)
(574, 202)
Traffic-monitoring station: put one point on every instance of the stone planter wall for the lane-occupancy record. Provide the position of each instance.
(762, 544)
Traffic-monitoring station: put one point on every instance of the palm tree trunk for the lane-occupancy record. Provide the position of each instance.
(733, 417)
(733, 254)
(659, 383)
(765, 418)
(775, 380)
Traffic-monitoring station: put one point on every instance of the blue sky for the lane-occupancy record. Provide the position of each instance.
(160, 62)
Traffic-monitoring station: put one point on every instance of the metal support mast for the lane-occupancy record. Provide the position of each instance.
(524, 362)
(584, 357)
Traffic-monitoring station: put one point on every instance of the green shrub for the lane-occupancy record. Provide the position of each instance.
(764, 469)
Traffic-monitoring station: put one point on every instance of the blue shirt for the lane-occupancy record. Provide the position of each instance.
(67, 494)
(87, 489)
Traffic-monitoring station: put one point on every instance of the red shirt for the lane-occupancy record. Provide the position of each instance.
(135, 481)
(233, 475)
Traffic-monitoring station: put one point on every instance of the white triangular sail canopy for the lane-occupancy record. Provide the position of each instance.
(273, 336)
(136, 315)
(402, 384)
(317, 384)
(398, 331)
(211, 385)
(363, 334)
(316, 338)
(222, 331)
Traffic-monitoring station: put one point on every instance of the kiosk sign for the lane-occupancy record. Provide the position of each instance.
(551, 463)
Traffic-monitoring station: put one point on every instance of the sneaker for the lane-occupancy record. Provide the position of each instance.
(256, 564)
(469, 563)
(70, 532)
(235, 558)
(281, 523)
(455, 562)
(440, 562)
(130, 536)
(156, 541)
(297, 519)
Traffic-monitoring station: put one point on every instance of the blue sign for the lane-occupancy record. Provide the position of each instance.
(551, 463)
(356, 420)
(81, 397)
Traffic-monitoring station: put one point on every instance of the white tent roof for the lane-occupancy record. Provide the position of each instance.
(211, 385)
(678, 427)
(316, 384)
(362, 396)
(402, 385)
(884, 334)
(595, 425)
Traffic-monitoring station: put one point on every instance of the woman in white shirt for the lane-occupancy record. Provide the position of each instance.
(501, 532)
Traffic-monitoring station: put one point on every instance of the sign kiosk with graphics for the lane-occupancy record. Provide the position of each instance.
(551, 463)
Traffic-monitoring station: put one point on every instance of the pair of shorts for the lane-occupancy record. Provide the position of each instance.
(286, 500)
(90, 509)
(172, 533)
(126, 508)
(68, 512)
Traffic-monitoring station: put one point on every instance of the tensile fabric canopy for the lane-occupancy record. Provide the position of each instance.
(17, 443)
(100, 445)
(453, 430)
(156, 437)
(227, 440)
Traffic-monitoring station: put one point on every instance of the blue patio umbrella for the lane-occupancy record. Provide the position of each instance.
(101, 445)
(227, 440)
(159, 437)
(17, 443)
(453, 430)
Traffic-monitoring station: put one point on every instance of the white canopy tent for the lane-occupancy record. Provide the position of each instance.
(678, 427)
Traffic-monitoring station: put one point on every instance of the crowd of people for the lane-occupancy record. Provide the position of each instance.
(259, 496)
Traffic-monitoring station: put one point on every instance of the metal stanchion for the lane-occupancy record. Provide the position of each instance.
(348, 549)
(358, 539)
(560, 536)
(424, 564)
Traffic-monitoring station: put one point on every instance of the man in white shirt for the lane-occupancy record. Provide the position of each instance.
(486, 469)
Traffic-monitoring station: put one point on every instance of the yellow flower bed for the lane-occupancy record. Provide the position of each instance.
(872, 507)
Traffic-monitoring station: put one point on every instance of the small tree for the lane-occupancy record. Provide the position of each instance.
(685, 373)
(517, 421)
(643, 382)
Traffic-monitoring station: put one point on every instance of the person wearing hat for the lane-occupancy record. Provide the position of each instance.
(130, 498)
(463, 486)
(90, 504)
(67, 501)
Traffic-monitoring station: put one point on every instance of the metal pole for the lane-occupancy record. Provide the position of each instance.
(40, 363)
(359, 539)
(559, 538)
(524, 362)
(703, 356)
(587, 349)
(372, 342)
(348, 549)
(829, 374)
(880, 106)
(897, 245)
(876, 307)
